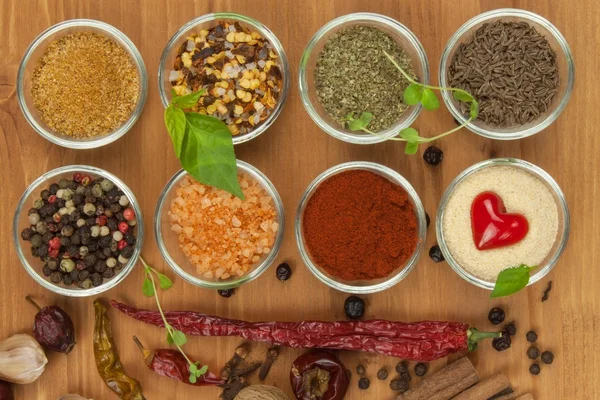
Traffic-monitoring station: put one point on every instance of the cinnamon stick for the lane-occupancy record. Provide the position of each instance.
(446, 383)
(486, 389)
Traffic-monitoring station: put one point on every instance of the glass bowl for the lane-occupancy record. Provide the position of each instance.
(205, 22)
(36, 50)
(403, 36)
(563, 219)
(33, 264)
(168, 242)
(564, 60)
(366, 286)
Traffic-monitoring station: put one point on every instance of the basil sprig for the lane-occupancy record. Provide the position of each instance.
(511, 280)
(203, 144)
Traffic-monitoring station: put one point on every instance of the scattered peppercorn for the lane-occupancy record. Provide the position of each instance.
(354, 307)
(547, 357)
(400, 385)
(402, 367)
(433, 155)
(533, 352)
(364, 383)
(382, 374)
(421, 369)
(510, 329)
(360, 369)
(435, 253)
(531, 336)
(534, 369)
(227, 293)
(496, 315)
(501, 343)
(283, 272)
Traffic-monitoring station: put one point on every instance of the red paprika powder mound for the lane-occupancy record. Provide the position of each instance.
(358, 225)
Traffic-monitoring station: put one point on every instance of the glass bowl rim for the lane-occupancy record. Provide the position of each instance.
(536, 171)
(264, 181)
(131, 49)
(303, 82)
(112, 282)
(271, 37)
(528, 16)
(392, 176)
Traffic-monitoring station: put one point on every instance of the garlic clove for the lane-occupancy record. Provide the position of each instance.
(22, 359)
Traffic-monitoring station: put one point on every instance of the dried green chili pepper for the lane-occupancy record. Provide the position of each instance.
(107, 359)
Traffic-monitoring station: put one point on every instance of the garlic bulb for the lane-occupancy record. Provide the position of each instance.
(72, 397)
(22, 359)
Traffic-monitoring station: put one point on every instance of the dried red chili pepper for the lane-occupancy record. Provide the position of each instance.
(419, 341)
(53, 328)
(172, 364)
(319, 376)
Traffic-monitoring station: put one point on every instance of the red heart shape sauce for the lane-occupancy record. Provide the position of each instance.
(492, 226)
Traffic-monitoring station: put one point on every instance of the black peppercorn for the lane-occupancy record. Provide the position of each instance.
(108, 273)
(501, 343)
(42, 251)
(510, 329)
(104, 241)
(127, 252)
(36, 240)
(354, 307)
(74, 275)
(83, 275)
(496, 315)
(52, 263)
(45, 194)
(73, 250)
(226, 292)
(531, 336)
(547, 357)
(67, 280)
(382, 374)
(283, 272)
(435, 253)
(96, 279)
(76, 239)
(402, 368)
(130, 239)
(360, 369)
(26, 234)
(112, 224)
(93, 247)
(534, 369)
(56, 277)
(107, 252)
(400, 385)
(533, 352)
(86, 239)
(433, 155)
(421, 369)
(100, 266)
(53, 188)
(90, 260)
(46, 271)
(46, 237)
(364, 383)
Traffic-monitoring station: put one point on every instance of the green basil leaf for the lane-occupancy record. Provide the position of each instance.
(366, 118)
(356, 125)
(148, 288)
(202, 370)
(411, 135)
(169, 338)
(207, 153)
(463, 96)
(413, 94)
(474, 109)
(189, 100)
(179, 338)
(164, 281)
(511, 280)
(411, 148)
(175, 122)
(430, 100)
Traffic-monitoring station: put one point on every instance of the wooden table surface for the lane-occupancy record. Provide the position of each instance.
(291, 153)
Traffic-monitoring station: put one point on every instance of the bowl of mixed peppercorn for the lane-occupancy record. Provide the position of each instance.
(238, 63)
(82, 84)
(78, 230)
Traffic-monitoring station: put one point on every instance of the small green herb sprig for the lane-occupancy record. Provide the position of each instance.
(511, 280)
(203, 144)
(174, 336)
(414, 94)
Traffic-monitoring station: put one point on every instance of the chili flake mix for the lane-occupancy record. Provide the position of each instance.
(220, 234)
(85, 85)
(238, 68)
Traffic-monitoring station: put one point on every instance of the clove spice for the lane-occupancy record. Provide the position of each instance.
(547, 291)
(272, 355)
(240, 354)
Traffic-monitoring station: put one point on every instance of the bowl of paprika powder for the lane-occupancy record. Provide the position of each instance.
(360, 227)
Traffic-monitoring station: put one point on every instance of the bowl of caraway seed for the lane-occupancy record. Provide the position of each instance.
(347, 71)
(82, 84)
(516, 64)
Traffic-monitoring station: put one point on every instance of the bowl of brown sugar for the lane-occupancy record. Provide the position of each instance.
(360, 227)
(82, 84)
(213, 239)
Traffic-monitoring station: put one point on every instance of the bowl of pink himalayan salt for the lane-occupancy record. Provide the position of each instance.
(524, 191)
(213, 239)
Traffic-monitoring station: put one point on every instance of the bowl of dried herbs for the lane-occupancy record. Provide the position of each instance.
(518, 67)
(346, 71)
